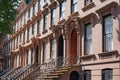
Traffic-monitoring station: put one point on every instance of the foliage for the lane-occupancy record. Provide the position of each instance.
(8, 13)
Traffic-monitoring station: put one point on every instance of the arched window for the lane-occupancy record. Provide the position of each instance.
(107, 74)
(87, 75)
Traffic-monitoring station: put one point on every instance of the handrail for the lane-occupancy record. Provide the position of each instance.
(9, 72)
(50, 65)
(2, 73)
(19, 71)
(25, 72)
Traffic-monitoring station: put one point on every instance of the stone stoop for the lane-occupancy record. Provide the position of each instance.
(54, 74)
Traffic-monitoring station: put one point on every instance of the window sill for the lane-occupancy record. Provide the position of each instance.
(107, 55)
(45, 31)
(88, 6)
(85, 58)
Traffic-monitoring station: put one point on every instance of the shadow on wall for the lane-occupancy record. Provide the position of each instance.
(118, 18)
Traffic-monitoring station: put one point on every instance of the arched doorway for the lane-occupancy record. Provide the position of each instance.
(74, 75)
(60, 50)
(73, 57)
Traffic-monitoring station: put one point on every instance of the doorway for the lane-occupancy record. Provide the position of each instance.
(74, 75)
(60, 50)
(73, 57)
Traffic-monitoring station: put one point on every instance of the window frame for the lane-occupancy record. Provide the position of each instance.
(52, 16)
(104, 35)
(87, 73)
(32, 55)
(33, 9)
(73, 5)
(28, 31)
(62, 9)
(52, 48)
(44, 52)
(33, 28)
(38, 26)
(107, 72)
(45, 22)
(39, 4)
(29, 13)
(86, 40)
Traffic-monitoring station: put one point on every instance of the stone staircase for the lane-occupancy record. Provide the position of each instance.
(53, 74)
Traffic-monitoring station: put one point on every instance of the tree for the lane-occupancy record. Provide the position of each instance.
(8, 13)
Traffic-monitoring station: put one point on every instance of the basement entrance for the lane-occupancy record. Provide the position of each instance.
(74, 75)
(60, 50)
(73, 57)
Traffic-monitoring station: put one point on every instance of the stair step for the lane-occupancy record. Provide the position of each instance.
(47, 77)
(53, 74)
(57, 71)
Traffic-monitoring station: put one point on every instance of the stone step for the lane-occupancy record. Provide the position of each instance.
(47, 77)
(58, 71)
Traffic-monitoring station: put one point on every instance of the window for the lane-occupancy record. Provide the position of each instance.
(33, 29)
(33, 9)
(32, 55)
(108, 33)
(52, 17)
(39, 5)
(87, 75)
(73, 6)
(45, 23)
(38, 26)
(14, 43)
(24, 36)
(88, 39)
(24, 18)
(107, 74)
(44, 52)
(87, 2)
(28, 33)
(52, 48)
(20, 37)
(45, 1)
(28, 14)
(17, 42)
(62, 9)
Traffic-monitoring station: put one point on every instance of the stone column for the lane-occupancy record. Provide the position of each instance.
(77, 26)
(67, 40)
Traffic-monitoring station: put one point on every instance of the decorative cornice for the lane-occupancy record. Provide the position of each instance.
(89, 6)
(88, 17)
(110, 54)
(107, 7)
(53, 5)
(45, 11)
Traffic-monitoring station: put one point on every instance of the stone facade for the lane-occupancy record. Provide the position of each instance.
(57, 30)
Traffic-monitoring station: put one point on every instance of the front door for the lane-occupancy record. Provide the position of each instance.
(60, 50)
(73, 54)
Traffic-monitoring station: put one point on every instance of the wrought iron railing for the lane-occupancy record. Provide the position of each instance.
(52, 63)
